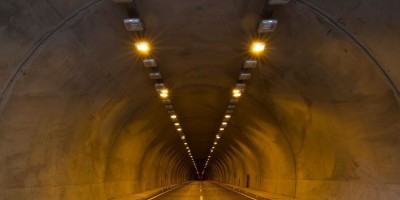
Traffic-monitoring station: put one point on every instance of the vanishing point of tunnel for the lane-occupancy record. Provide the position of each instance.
(199, 99)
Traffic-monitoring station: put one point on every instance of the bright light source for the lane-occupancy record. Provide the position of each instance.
(257, 47)
(215, 143)
(224, 123)
(173, 116)
(212, 150)
(221, 129)
(182, 137)
(218, 136)
(187, 147)
(143, 47)
(185, 143)
(236, 93)
(189, 151)
(164, 93)
(267, 26)
(213, 147)
(227, 116)
(179, 129)
(176, 123)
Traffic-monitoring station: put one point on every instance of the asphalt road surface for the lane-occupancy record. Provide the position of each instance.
(201, 191)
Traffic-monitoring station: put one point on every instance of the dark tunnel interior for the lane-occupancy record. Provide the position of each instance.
(83, 116)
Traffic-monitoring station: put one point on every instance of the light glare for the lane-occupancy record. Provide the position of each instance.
(142, 47)
(257, 47)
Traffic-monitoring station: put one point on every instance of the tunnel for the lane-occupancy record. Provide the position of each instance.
(124, 100)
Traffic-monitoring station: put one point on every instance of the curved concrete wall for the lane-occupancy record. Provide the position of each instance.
(79, 118)
(332, 122)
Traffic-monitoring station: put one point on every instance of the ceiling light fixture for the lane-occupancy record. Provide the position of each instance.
(267, 26)
(150, 62)
(257, 47)
(250, 64)
(244, 76)
(133, 24)
(143, 47)
(164, 93)
(155, 75)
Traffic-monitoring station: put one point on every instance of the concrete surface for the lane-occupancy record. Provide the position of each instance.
(79, 117)
(203, 191)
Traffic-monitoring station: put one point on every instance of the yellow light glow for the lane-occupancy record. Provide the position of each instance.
(176, 124)
(227, 116)
(237, 95)
(221, 129)
(173, 116)
(185, 143)
(257, 47)
(143, 47)
(224, 123)
(215, 143)
(164, 95)
(179, 129)
(183, 137)
(164, 91)
(218, 136)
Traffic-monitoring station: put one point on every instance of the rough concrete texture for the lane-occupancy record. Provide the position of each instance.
(79, 117)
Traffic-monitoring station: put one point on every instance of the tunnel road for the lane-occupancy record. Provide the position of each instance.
(203, 191)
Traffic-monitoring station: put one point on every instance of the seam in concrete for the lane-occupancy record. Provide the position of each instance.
(323, 14)
(42, 41)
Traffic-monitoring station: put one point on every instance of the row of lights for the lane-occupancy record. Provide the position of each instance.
(143, 47)
(257, 48)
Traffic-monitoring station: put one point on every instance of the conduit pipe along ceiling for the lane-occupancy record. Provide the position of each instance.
(143, 48)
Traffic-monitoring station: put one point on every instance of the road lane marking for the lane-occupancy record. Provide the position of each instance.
(240, 193)
(167, 191)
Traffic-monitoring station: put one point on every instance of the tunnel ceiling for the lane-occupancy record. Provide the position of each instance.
(76, 100)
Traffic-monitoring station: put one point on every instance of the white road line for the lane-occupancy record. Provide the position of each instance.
(166, 192)
(239, 193)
